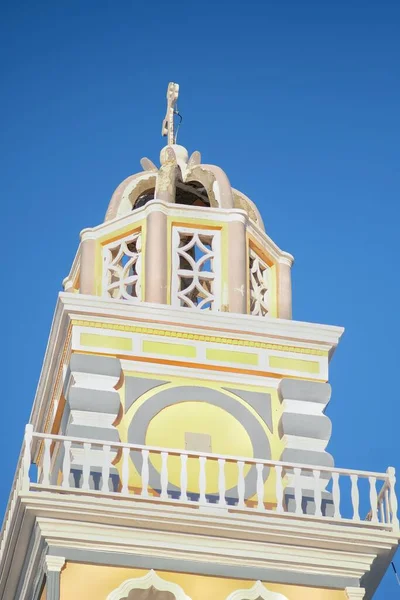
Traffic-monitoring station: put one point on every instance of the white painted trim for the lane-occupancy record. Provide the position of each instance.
(353, 593)
(303, 407)
(257, 591)
(146, 582)
(54, 563)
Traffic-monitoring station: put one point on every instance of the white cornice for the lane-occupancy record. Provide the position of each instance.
(182, 533)
(232, 323)
(247, 327)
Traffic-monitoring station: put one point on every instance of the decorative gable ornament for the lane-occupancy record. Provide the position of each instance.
(257, 592)
(146, 582)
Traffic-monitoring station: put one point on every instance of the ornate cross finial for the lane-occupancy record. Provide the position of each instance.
(168, 123)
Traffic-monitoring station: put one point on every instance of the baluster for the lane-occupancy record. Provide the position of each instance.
(105, 468)
(27, 457)
(184, 496)
(86, 465)
(66, 464)
(202, 480)
(279, 489)
(46, 462)
(336, 495)
(317, 492)
(241, 485)
(164, 475)
(145, 474)
(387, 506)
(298, 491)
(125, 470)
(373, 498)
(221, 482)
(382, 510)
(392, 497)
(260, 487)
(355, 497)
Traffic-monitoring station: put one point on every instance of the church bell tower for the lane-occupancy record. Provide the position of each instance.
(177, 446)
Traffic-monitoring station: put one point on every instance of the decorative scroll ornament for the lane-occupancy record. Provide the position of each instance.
(259, 285)
(257, 592)
(151, 580)
(196, 275)
(122, 266)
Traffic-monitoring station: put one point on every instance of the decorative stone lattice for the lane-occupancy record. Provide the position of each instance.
(259, 285)
(196, 269)
(122, 266)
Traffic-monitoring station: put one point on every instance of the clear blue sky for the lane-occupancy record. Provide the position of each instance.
(299, 103)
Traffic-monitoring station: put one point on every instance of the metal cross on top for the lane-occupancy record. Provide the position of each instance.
(168, 123)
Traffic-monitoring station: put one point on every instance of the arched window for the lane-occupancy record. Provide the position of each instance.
(149, 587)
(257, 592)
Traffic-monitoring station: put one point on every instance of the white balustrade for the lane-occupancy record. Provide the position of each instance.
(355, 497)
(105, 468)
(336, 494)
(184, 479)
(260, 486)
(125, 470)
(373, 497)
(221, 482)
(66, 468)
(298, 496)
(164, 475)
(279, 488)
(317, 492)
(241, 484)
(245, 475)
(202, 480)
(145, 473)
(46, 462)
(86, 466)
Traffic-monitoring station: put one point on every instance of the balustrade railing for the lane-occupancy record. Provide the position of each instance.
(149, 473)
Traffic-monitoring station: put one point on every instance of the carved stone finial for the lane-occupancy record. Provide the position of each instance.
(168, 123)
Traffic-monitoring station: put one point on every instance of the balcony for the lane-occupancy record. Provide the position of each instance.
(91, 468)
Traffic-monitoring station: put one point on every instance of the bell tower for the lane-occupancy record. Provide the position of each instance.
(177, 447)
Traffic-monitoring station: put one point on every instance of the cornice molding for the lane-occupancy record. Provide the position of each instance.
(268, 542)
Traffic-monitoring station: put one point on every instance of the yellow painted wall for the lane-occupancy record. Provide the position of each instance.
(91, 582)
(167, 430)
(44, 594)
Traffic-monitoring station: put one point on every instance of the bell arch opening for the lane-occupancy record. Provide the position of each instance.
(192, 193)
(144, 198)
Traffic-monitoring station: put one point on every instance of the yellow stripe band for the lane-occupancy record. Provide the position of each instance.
(169, 349)
(97, 340)
(231, 356)
(294, 364)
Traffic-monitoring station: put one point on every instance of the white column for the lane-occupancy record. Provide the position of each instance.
(285, 286)
(156, 257)
(88, 260)
(54, 565)
(238, 269)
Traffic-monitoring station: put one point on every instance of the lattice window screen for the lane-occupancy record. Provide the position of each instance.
(259, 273)
(122, 268)
(196, 272)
